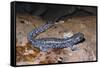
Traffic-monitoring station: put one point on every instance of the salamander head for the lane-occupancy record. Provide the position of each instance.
(78, 37)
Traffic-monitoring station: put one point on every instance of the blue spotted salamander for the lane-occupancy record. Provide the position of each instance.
(45, 43)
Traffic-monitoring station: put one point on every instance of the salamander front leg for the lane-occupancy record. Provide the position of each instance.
(73, 48)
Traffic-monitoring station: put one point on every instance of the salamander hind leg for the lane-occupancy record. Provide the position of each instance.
(44, 49)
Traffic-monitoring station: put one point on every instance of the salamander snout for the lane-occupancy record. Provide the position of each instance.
(78, 37)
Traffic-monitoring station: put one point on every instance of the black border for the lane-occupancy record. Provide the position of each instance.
(13, 34)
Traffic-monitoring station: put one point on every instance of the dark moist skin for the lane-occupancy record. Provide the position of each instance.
(45, 43)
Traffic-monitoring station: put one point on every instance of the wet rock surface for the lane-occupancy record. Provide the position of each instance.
(85, 51)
